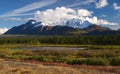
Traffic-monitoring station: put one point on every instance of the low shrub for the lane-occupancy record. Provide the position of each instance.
(77, 61)
(2, 56)
(90, 61)
(115, 61)
(98, 61)
(38, 57)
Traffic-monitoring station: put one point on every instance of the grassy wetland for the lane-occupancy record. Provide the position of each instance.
(60, 55)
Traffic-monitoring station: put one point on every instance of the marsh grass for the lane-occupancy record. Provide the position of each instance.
(103, 60)
(104, 56)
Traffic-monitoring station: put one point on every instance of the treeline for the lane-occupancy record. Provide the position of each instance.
(79, 40)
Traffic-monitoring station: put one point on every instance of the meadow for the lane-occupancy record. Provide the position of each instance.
(92, 55)
(97, 57)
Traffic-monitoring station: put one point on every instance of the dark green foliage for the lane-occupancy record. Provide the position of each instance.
(2, 56)
(115, 61)
(84, 40)
(90, 61)
(77, 61)
(98, 61)
(38, 57)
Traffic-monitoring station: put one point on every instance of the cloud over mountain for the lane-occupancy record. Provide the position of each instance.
(61, 15)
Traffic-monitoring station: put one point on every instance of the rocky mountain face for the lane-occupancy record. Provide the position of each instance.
(71, 27)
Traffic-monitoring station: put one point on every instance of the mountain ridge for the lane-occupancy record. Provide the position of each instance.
(32, 27)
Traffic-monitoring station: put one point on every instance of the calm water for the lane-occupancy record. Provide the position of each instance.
(53, 48)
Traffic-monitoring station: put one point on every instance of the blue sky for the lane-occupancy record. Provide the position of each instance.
(16, 12)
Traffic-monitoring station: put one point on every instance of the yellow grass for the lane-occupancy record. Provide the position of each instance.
(12, 67)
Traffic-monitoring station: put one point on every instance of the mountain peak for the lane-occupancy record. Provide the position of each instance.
(32, 21)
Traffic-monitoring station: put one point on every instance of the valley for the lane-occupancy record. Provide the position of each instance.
(60, 37)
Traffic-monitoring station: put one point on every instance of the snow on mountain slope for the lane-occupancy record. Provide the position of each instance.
(74, 23)
(77, 23)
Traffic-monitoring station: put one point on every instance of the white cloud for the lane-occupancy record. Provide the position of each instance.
(14, 14)
(3, 30)
(11, 19)
(51, 16)
(97, 21)
(116, 7)
(84, 12)
(15, 19)
(61, 15)
(85, 2)
(101, 3)
(29, 7)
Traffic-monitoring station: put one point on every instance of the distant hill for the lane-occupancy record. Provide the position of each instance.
(107, 32)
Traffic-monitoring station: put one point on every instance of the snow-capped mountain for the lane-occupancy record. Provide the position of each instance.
(74, 23)
(71, 27)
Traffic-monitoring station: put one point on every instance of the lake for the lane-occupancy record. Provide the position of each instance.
(53, 48)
